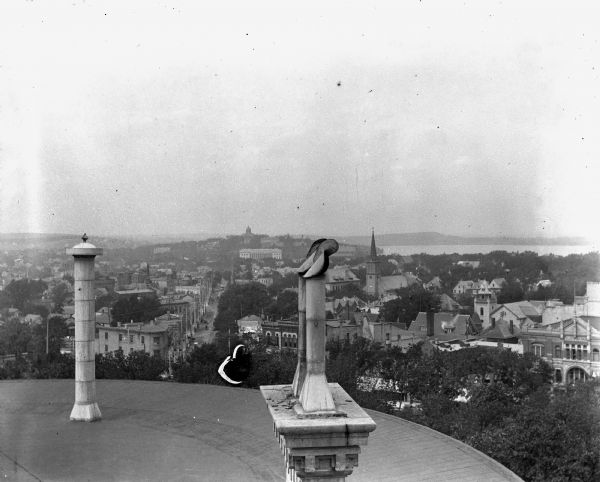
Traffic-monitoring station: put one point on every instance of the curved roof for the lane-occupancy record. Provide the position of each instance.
(171, 431)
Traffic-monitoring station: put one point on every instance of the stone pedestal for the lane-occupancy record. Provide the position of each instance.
(320, 428)
(85, 407)
(318, 447)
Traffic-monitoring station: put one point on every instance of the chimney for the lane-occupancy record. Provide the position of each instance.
(430, 323)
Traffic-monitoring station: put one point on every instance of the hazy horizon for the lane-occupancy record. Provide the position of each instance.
(151, 118)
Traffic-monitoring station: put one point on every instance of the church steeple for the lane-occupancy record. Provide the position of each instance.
(373, 269)
(373, 247)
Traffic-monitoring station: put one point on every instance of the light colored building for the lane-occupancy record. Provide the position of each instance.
(469, 264)
(261, 253)
(267, 281)
(519, 313)
(462, 287)
(250, 325)
(151, 338)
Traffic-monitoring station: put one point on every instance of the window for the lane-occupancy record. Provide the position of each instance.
(156, 340)
(156, 352)
(131, 350)
(105, 347)
(120, 336)
(481, 311)
(143, 340)
(595, 354)
(557, 376)
(387, 337)
(106, 335)
(130, 338)
(538, 349)
(557, 352)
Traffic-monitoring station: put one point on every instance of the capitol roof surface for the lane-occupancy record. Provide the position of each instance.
(180, 432)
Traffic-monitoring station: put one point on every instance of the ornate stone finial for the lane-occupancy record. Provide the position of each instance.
(317, 259)
(84, 238)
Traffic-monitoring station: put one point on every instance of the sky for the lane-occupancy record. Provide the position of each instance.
(466, 118)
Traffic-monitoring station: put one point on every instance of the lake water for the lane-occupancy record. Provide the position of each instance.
(560, 250)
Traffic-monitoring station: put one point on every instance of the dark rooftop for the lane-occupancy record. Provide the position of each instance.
(170, 431)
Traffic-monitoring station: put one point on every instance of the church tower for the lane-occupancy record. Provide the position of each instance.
(373, 270)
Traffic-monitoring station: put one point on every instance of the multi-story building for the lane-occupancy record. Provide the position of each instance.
(260, 253)
(150, 337)
(281, 333)
(338, 277)
(571, 346)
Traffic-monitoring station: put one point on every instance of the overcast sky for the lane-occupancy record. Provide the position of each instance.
(163, 118)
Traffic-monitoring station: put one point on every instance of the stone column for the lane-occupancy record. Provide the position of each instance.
(85, 407)
(315, 395)
(301, 367)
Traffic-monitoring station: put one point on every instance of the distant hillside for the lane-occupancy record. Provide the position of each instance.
(432, 238)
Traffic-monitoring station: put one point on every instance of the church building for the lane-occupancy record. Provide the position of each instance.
(378, 285)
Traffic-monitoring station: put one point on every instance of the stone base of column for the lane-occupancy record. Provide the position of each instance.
(299, 378)
(318, 446)
(88, 412)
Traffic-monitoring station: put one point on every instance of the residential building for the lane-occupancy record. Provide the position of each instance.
(444, 326)
(338, 277)
(520, 313)
(434, 285)
(462, 287)
(448, 304)
(496, 285)
(150, 337)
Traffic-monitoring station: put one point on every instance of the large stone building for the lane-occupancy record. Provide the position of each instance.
(571, 346)
(260, 253)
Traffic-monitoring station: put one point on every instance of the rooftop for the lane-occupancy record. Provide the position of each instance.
(171, 431)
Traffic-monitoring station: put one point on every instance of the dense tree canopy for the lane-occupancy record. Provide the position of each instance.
(412, 300)
(20, 292)
(238, 301)
(136, 309)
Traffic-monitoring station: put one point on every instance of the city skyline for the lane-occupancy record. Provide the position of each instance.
(160, 119)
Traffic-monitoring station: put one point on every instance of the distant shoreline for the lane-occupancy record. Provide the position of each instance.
(477, 249)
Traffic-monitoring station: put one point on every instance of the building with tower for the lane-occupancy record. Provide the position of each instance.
(484, 303)
(373, 270)
(378, 285)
